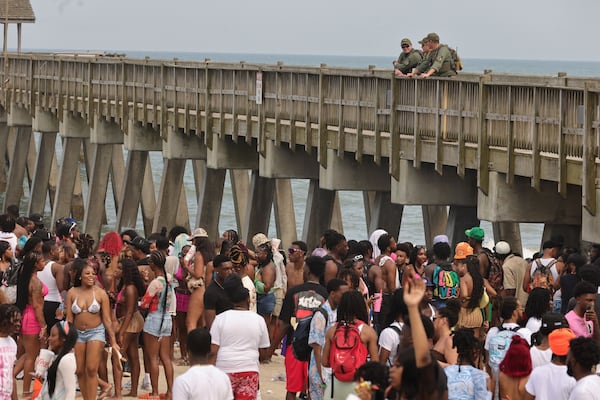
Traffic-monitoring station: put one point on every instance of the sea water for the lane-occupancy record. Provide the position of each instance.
(352, 206)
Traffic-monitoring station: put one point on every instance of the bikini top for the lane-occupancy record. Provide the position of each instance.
(94, 308)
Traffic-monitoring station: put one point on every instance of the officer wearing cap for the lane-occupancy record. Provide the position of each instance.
(438, 61)
(408, 59)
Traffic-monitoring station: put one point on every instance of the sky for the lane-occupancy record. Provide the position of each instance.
(507, 29)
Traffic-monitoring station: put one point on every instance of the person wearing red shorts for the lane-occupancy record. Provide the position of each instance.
(299, 301)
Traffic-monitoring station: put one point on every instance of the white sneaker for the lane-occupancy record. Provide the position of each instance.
(20, 375)
(146, 385)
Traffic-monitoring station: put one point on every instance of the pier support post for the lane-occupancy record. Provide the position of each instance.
(210, 198)
(260, 203)
(509, 232)
(131, 191)
(16, 172)
(571, 234)
(148, 199)
(169, 194)
(460, 219)
(385, 214)
(435, 222)
(319, 210)
(240, 187)
(285, 217)
(96, 199)
(66, 178)
(117, 174)
(41, 177)
(3, 152)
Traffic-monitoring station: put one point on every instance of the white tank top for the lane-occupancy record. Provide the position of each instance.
(48, 279)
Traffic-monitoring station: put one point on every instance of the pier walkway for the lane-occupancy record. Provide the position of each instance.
(502, 148)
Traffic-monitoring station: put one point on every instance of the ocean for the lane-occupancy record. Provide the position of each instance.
(353, 215)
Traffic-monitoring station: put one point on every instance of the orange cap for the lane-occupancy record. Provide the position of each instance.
(462, 251)
(559, 340)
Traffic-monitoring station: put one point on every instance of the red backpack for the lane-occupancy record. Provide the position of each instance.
(347, 351)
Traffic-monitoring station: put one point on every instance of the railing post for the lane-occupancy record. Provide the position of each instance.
(483, 173)
(460, 168)
(589, 144)
(323, 135)
(394, 135)
(535, 145)
(510, 146)
(562, 156)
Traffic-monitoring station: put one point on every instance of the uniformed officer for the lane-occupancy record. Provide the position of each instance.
(408, 59)
(439, 60)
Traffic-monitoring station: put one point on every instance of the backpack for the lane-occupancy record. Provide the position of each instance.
(8, 283)
(302, 350)
(457, 64)
(499, 344)
(347, 352)
(542, 275)
(446, 281)
(495, 274)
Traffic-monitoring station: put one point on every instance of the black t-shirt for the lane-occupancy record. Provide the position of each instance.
(215, 298)
(302, 299)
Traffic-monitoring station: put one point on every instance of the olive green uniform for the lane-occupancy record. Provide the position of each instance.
(440, 60)
(408, 61)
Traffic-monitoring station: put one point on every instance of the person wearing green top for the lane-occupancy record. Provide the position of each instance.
(438, 61)
(408, 59)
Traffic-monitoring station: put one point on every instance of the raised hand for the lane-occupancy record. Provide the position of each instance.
(414, 290)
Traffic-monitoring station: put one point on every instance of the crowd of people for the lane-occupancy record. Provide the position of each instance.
(369, 319)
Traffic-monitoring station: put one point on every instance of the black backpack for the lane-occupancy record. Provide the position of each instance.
(302, 350)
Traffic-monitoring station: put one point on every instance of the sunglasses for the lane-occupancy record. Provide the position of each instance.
(358, 258)
(405, 46)
(291, 250)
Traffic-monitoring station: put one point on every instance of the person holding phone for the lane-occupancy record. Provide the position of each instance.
(583, 319)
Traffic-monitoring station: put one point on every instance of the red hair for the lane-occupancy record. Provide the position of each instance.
(111, 243)
(517, 361)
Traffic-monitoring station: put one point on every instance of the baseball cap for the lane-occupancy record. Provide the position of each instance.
(502, 248)
(198, 233)
(440, 239)
(432, 36)
(406, 41)
(139, 243)
(37, 219)
(475, 233)
(463, 249)
(559, 340)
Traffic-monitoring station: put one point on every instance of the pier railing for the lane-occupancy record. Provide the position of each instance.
(363, 112)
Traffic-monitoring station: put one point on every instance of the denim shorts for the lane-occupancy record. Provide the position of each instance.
(88, 335)
(153, 326)
(265, 303)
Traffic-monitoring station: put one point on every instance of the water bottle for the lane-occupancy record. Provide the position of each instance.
(190, 254)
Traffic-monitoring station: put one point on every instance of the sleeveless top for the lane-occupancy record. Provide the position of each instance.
(49, 280)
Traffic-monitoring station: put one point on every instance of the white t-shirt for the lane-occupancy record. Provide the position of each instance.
(8, 356)
(11, 238)
(523, 332)
(66, 380)
(389, 339)
(206, 381)
(587, 388)
(533, 324)
(550, 381)
(540, 357)
(239, 334)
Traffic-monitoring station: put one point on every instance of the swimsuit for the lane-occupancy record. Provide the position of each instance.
(94, 308)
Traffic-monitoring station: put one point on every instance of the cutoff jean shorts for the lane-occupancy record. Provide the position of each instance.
(153, 325)
(98, 333)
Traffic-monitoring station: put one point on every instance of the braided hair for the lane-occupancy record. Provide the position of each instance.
(467, 346)
(29, 262)
(67, 332)
(131, 276)
(8, 314)
(159, 259)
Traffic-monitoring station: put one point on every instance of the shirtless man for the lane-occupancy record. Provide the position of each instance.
(296, 270)
(389, 271)
(337, 248)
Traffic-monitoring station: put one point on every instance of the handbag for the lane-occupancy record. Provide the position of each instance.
(8, 284)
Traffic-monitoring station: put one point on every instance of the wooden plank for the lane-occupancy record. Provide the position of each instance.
(322, 133)
(208, 134)
(460, 168)
(510, 146)
(307, 122)
(221, 107)
(234, 110)
(278, 100)
(438, 131)
(535, 147)
(588, 187)
(562, 156)
(359, 123)
(293, 133)
(251, 85)
(416, 138)
(341, 137)
(377, 155)
(394, 134)
(483, 174)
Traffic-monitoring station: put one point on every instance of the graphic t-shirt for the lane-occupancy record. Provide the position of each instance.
(300, 302)
(8, 356)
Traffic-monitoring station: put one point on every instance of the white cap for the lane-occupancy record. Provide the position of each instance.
(440, 239)
(502, 248)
